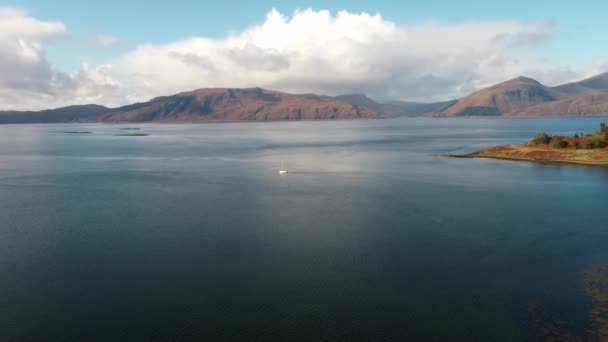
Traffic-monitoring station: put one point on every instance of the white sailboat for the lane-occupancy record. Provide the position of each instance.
(283, 170)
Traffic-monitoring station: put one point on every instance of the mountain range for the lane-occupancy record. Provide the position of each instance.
(524, 96)
(249, 104)
(521, 96)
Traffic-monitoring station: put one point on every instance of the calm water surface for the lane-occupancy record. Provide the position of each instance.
(190, 233)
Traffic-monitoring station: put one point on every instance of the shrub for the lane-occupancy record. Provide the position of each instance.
(540, 139)
(594, 141)
(574, 145)
(558, 142)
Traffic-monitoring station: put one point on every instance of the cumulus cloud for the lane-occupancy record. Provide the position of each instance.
(105, 40)
(316, 51)
(306, 52)
(29, 81)
(22, 62)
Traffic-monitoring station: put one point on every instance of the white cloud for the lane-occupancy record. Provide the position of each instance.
(105, 40)
(309, 51)
(29, 81)
(315, 51)
(22, 62)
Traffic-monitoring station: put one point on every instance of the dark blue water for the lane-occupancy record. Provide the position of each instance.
(190, 234)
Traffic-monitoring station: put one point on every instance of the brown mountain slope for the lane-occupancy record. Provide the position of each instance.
(84, 113)
(502, 99)
(250, 104)
(594, 103)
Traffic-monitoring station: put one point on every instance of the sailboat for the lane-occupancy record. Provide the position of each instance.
(283, 170)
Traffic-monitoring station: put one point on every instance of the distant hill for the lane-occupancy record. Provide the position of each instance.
(599, 82)
(392, 108)
(503, 98)
(524, 96)
(360, 100)
(421, 108)
(249, 104)
(84, 113)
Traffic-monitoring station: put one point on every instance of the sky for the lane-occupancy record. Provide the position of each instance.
(113, 53)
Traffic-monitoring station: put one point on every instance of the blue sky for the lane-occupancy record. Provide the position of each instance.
(581, 26)
(116, 52)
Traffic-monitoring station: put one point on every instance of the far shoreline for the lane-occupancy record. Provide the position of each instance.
(305, 120)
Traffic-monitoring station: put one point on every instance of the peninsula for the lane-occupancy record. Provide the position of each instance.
(580, 149)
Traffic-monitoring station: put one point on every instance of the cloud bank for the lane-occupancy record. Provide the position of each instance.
(307, 52)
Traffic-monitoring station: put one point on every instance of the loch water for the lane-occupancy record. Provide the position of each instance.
(190, 234)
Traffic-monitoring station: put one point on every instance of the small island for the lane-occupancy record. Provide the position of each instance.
(131, 135)
(580, 149)
(75, 132)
